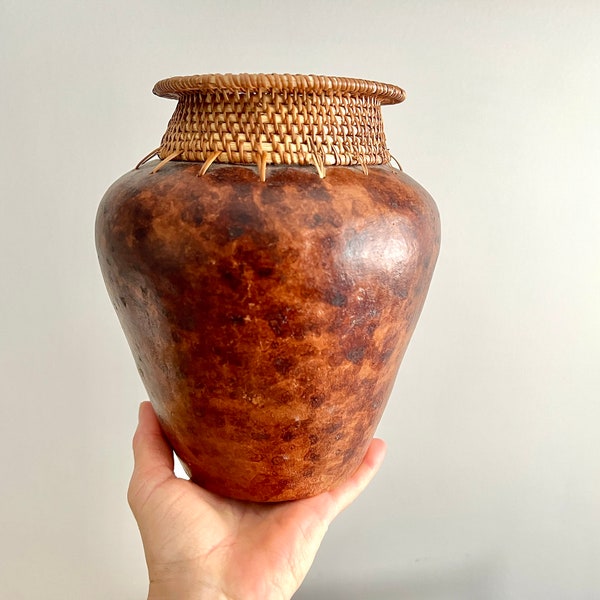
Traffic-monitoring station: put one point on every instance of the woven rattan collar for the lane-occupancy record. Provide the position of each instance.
(276, 119)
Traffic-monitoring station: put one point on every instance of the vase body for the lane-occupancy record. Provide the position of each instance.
(267, 308)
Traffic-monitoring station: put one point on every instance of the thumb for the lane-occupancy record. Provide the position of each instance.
(152, 455)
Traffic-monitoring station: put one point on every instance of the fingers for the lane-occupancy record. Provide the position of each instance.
(345, 494)
(151, 452)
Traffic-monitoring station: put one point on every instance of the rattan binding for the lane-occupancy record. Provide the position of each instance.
(276, 119)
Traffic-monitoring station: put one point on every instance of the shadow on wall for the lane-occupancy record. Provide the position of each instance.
(426, 582)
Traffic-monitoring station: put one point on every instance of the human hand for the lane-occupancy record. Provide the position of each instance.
(202, 546)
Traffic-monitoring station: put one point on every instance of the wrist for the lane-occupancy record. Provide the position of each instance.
(179, 583)
(184, 590)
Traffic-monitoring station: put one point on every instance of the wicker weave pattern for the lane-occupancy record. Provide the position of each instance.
(279, 128)
(276, 119)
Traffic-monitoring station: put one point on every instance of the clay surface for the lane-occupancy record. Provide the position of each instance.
(268, 319)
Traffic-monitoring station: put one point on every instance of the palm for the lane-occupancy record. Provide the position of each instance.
(252, 550)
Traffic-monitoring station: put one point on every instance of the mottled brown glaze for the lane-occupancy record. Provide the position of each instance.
(268, 319)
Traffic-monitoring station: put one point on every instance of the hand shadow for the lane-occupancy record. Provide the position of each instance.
(425, 581)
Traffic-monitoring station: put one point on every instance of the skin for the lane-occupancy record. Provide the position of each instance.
(201, 546)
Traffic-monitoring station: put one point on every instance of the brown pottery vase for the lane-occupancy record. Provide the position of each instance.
(268, 270)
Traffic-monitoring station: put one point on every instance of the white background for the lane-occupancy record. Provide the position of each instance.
(491, 487)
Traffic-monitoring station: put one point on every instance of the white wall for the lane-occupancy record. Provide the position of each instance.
(491, 486)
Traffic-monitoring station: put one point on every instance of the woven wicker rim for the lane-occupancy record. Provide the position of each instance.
(174, 87)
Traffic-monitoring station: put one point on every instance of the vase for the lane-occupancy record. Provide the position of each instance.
(268, 269)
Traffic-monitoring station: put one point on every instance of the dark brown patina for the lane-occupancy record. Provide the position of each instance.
(268, 319)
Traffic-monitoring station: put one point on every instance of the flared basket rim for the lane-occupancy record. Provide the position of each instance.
(175, 87)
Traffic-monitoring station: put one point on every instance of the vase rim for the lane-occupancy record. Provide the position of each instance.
(175, 87)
